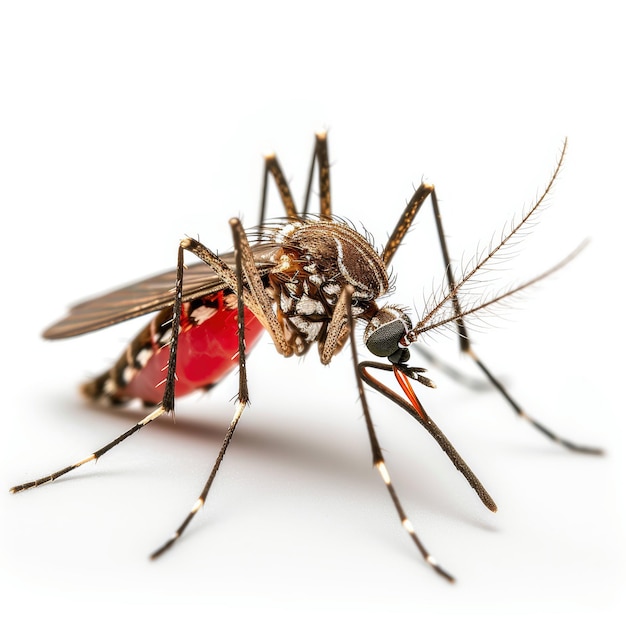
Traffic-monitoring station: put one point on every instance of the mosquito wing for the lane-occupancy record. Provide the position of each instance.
(148, 295)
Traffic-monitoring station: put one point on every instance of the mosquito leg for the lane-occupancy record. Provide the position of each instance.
(378, 458)
(320, 154)
(337, 332)
(272, 167)
(242, 400)
(419, 414)
(166, 406)
(423, 192)
(170, 380)
(254, 295)
(574, 447)
(92, 457)
(466, 346)
(406, 219)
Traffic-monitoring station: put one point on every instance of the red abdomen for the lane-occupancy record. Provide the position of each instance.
(208, 348)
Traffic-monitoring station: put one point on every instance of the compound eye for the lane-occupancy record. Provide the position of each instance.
(384, 332)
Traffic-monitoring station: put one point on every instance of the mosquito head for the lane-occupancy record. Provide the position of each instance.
(384, 334)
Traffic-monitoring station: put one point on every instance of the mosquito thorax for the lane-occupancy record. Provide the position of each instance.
(315, 259)
(385, 331)
(334, 251)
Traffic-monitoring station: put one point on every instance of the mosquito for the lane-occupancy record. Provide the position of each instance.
(305, 279)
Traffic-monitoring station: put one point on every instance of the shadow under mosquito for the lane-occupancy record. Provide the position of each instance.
(282, 448)
(269, 445)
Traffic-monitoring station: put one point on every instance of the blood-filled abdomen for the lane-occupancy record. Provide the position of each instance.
(208, 348)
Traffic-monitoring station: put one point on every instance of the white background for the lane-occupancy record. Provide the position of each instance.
(126, 125)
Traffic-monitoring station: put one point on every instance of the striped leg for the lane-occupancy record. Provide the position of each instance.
(166, 406)
(378, 458)
(255, 297)
(199, 503)
(426, 191)
(272, 167)
(241, 248)
(417, 411)
(92, 457)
